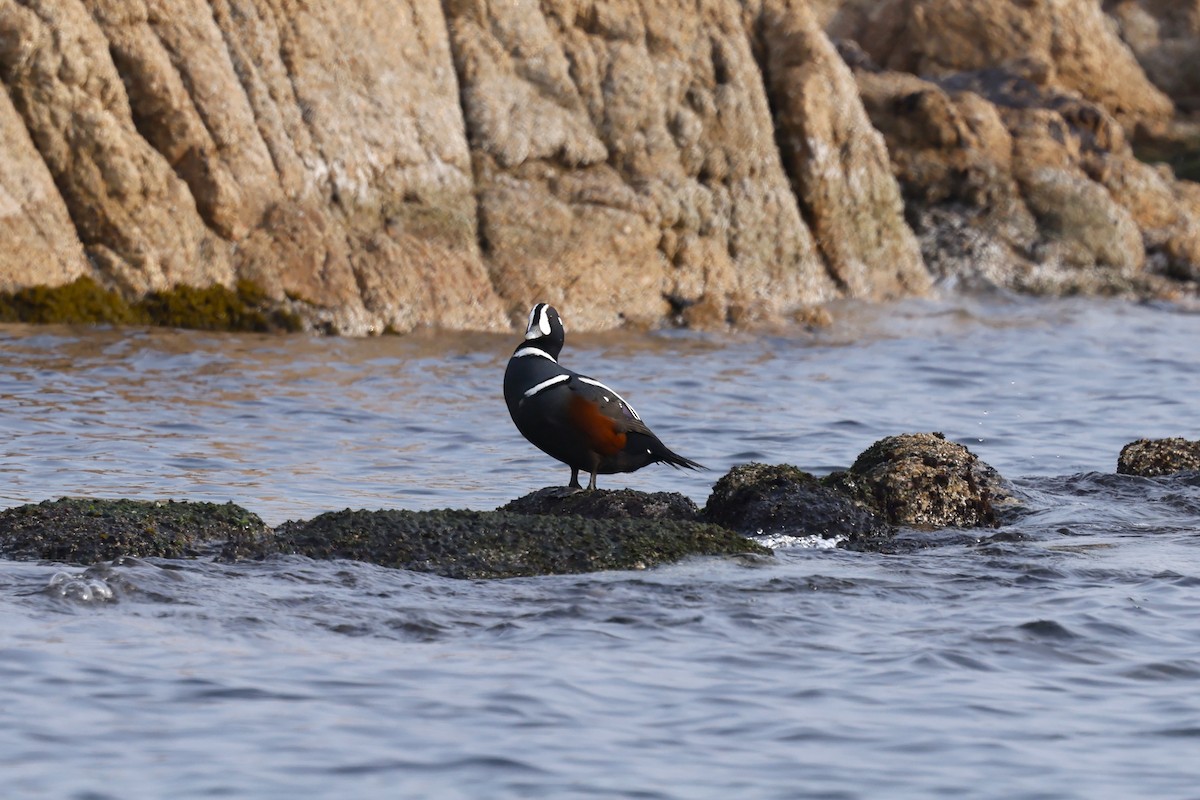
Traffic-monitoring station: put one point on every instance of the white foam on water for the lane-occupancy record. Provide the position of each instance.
(778, 541)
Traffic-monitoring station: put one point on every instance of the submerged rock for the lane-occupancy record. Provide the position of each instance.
(779, 498)
(922, 480)
(605, 504)
(87, 531)
(497, 544)
(1150, 458)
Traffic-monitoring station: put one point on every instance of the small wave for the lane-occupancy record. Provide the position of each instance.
(88, 586)
(1184, 669)
(777, 541)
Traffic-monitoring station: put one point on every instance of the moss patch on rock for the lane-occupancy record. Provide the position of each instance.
(84, 531)
(495, 544)
(83, 301)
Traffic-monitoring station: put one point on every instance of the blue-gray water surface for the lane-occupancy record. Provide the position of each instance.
(1058, 657)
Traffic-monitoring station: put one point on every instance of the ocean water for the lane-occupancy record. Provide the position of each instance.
(1056, 657)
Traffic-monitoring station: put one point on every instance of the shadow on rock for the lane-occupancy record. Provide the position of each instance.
(781, 499)
(87, 531)
(500, 544)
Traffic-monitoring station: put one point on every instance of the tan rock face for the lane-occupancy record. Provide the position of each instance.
(1070, 43)
(626, 163)
(1027, 186)
(397, 164)
(837, 161)
(40, 245)
(315, 148)
(1164, 35)
(132, 213)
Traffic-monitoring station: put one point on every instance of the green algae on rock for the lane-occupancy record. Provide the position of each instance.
(605, 504)
(1150, 458)
(923, 481)
(217, 308)
(495, 544)
(83, 301)
(84, 531)
(779, 498)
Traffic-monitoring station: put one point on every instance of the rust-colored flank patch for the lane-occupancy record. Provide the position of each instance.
(601, 431)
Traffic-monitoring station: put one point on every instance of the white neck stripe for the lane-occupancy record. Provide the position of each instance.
(525, 352)
(546, 384)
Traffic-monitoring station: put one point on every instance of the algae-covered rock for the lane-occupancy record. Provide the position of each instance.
(779, 498)
(243, 308)
(605, 504)
(924, 481)
(496, 544)
(85, 531)
(1150, 458)
(83, 301)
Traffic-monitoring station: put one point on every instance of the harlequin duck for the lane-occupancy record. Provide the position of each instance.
(571, 417)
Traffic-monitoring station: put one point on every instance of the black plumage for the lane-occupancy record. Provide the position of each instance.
(576, 419)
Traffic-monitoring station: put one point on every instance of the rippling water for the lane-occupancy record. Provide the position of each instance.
(1059, 658)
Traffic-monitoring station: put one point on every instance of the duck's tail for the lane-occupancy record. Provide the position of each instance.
(668, 456)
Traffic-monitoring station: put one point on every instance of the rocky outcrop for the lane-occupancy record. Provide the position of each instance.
(317, 150)
(766, 499)
(1013, 182)
(40, 243)
(1070, 42)
(1164, 35)
(626, 164)
(85, 531)
(496, 544)
(1150, 458)
(380, 165)
(837, 162)
(460, 544)
(921, 480)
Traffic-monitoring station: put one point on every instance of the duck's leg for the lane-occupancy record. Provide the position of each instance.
(574, 484)
(592, 482)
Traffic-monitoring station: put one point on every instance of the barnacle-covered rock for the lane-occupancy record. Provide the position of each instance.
(497, 544)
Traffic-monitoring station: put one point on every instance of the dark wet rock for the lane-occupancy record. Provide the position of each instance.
(779, 498)
(923, 481)
(605, 504)
(87, 531)
(1150, 458)
(497, 544)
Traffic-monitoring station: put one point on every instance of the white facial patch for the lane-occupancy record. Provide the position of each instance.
(539, 322)
(622, 400)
